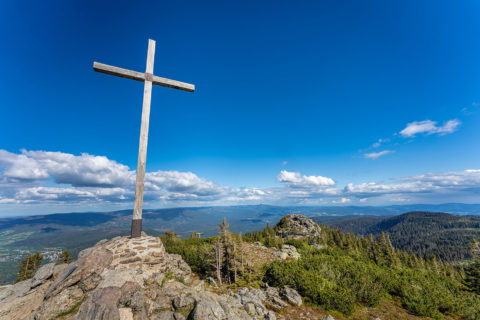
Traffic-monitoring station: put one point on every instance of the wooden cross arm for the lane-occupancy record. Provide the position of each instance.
(140, 76)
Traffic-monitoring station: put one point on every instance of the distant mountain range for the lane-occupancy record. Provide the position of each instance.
(51, 233)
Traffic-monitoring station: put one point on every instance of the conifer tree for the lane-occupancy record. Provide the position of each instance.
(65, 257)
(29, 266)
(218, 260)
(228, 258)
(472, 276)
(171, 234)
(241, 251)
(472, 271)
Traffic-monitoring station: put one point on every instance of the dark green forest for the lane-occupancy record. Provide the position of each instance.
(446, 236)
(344, 272)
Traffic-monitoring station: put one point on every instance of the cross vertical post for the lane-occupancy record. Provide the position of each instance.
(149, 79)
(142, 149)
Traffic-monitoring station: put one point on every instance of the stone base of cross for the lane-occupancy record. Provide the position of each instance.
(149, 79)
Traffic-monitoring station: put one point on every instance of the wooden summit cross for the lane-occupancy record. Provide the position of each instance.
(148, 78)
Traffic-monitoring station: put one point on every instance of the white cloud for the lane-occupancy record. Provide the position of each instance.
(296, 180)
(429, 127)
(53, 177)
(430, 183)
(376, 155)
(182, 183)
(342, 200)
(455, 179)
(379, 142)
(22, 167)
(82, 171)
(93, 178)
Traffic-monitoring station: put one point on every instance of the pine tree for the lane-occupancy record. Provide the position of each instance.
(472, 276)
(234, 262)
(218, 260)
(29, 266)
(241, 252)
(65, 257)
(171, 234)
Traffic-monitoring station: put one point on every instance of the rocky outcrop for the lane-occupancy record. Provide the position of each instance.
(127, 279)
(297, 226)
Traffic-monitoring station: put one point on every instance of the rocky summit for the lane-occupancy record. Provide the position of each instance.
(125, 278)
(297, 226)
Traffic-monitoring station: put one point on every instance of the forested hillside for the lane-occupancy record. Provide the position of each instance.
(337, 272)
(448, 237)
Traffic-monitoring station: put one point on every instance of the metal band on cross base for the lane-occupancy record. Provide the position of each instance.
(136, 228)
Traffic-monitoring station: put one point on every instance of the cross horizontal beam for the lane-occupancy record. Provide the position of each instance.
(140, 76)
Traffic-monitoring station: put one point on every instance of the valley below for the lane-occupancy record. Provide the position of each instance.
(50, 234)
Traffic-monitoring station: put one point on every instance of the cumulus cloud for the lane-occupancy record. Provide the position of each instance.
(376, 155)
(55, 177)
(182, 182)
(82, 171)
(91, 178)
(429, 127)
(297, 180)
(22, 167)
(430, 183)
(455, 179)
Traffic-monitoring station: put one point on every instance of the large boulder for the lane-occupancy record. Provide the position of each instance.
(44, 273)
(297, 226)
(287, 251)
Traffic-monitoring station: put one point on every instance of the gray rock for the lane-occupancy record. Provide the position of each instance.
(164, 301)
(329, 317)
(291, 295)
(271, 291)
(44, 273)
(132, 296)
(277, 302)
(101, 305)
(164, 315)
(182, 302)
(270, 315)
(250, 308)
(16, 290)
(212, 282)
(82, 254)
(207, 310)
(297, 226)
(287, 251)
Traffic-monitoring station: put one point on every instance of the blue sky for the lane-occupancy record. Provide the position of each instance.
(291, 100)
